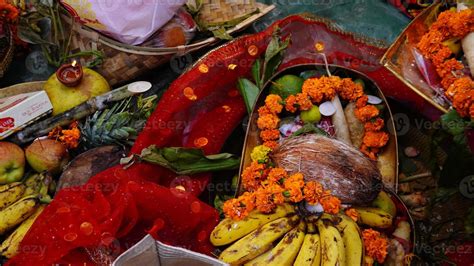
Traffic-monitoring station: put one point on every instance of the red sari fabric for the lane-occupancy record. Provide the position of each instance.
(117, 207)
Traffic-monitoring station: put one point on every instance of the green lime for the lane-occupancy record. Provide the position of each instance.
(287, 85)
(311, 116)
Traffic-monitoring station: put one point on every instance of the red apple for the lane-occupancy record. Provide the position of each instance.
(12, 163)
(47, 155)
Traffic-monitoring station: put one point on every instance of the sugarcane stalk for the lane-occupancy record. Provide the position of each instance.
(85, 109)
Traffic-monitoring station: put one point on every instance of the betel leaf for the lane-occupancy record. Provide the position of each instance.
(274, 56)
(257, 72)
(309, 128)
(188, 161)
(249, 92)
(455, 125)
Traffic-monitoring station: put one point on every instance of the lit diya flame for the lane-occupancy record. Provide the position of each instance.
(70, 74)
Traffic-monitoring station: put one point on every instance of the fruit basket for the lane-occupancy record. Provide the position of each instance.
(405, 60)
(288, 223)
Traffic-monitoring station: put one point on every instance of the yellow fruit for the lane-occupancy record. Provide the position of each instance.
(351, 236)
(285, 251)
(374, 217)
(18, 212)
(64, 98)
(310, 251)
(47, 155)
(9, 248)
(229, 230)
(330, 248)
(11, 193)
(258, 241)
(384, 202)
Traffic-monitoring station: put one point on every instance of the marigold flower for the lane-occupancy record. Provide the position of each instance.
(276, 192)
(462, 102)
(375, 125)
(313, 191)
(349, 90)
(264, 201)
(273, 103)
(8, 11)
(331, 204)
(290, 104)
(269, 121)
(375, 245)
(263, 110)
(303, 101)
(366, 113)
(459, 85)
(319, 89)
(271, 144)
(351, 212)
(260, 153)
(277, 175)
(235, 209)
(369, 151)
(253, 175)
(375, 139)
(295, 180)
(449, 66)
(270, 134)
(69, 137)
(362, 101)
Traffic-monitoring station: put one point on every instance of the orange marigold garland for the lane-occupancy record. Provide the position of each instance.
(449, 25)
(269, 186)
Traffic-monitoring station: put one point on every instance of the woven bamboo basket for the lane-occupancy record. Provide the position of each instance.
(124, 62)
(6, 55)
(221, 11)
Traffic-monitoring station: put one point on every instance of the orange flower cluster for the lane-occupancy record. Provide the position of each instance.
(270, 187)
(253, 175)
(7, 11)
(375, 245)
(69, 137)
(449, 25)
(374, 138)
(316, 90)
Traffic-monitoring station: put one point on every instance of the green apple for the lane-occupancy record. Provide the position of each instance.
(12, 163)
(47, 155)
(311, 116)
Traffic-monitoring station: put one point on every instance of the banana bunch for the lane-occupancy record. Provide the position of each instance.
(285, 237)
(20, 204)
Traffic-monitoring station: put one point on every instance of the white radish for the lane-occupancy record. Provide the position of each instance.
(340, 123)
(468, 43)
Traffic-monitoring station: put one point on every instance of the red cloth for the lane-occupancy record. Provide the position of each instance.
(121, 206)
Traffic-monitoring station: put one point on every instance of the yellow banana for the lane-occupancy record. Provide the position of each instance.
(351, 236)
(384, 202)
(374, 217)
(258, 241)
(228, 230)
(16, 213)
(9, 248)
(285, 251)
(310, 252)
(10, 193)
(33, 184)
(331, 243)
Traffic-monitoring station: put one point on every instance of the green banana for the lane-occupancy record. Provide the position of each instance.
(374, 217)
(385, 203)
(9, 248)
(331, 243)
(10, 193)
(310, 251)
(285, 251)
(229, 230)
(258, 241)
(352, 238)
(18, 212)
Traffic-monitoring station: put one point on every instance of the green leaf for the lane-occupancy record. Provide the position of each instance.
(256, 73)
(249, 92)
(221, 33)
(455, 125)
(308, 129)
(188, 161)
(273, 56)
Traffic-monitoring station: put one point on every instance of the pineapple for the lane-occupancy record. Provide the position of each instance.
(118, 125)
